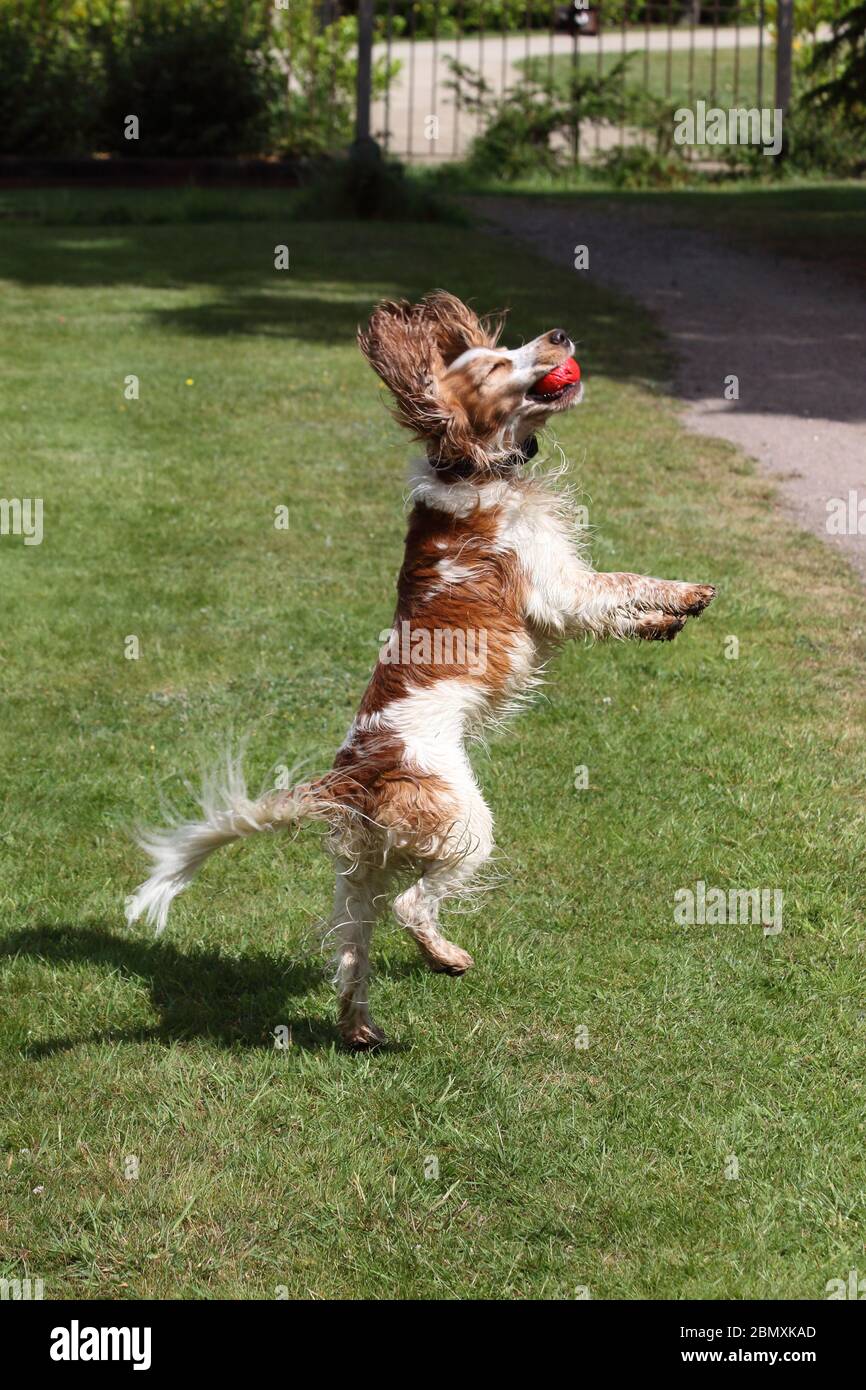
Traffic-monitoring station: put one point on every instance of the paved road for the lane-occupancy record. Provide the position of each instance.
(793, 333)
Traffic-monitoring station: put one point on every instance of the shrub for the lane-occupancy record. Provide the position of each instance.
(841, 61)
(636, 167)
(816, 140)
(446, 18)
(824, 132)
(823, 142)
(531, 127)
(49, 81)
(371, 188)
(518, 137)
(203, 77)
(314, 112)
(198, 76)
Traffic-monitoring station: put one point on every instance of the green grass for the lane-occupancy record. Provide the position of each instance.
(304, 1168)
(679, 77)
(118, 206)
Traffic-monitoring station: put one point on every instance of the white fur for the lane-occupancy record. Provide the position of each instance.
(178, 852)
(452, 572)
(433, 723)
(456, 499)
(536, 527)
(524, 360)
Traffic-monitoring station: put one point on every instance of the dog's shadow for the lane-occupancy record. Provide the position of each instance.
(234, 1001)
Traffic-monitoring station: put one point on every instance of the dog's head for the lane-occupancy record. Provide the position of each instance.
(471, 401)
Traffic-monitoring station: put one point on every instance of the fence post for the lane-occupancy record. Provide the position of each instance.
(364, 142)
(784, 46)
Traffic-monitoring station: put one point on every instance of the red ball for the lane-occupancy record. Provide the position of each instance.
(564, 375)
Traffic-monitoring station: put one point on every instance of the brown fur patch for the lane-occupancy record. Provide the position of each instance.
(488, 602)
(372, 784)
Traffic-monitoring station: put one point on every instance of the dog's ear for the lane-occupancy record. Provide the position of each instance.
(401, 348)
(409, 346)
(456, 326)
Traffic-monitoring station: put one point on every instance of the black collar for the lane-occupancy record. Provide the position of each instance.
(451, 469)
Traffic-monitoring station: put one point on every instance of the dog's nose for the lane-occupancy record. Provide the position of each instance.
(559, 338)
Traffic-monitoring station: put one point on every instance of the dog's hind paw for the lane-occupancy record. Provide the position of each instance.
(447, 959)
(362, 1035)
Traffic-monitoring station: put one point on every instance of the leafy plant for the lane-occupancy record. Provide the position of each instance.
(532, 127)
(49, 81)
(636, 167)
(370, 188)
(197, 75)
(817, 140)
(203, 77)
(314, 111)
(519, 125)
(845, 55)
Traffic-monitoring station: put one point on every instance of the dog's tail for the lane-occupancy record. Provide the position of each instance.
(178, 852)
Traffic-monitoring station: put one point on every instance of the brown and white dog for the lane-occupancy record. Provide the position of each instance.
(494, 578)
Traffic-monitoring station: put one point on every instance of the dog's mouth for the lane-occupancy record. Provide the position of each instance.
(558, 399)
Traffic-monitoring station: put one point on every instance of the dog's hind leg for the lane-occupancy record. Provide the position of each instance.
(418, 908)
(418, 911)
(357, 900)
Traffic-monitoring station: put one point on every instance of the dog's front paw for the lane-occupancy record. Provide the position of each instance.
(658, 627)
(692, 599)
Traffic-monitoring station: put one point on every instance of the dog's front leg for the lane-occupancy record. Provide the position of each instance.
(636, 605)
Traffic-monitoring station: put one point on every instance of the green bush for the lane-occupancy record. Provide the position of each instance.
(824, 142)
(841, 64)
(314, 113)
(371, 188)
(50, 85)
(197, 75)
(636, 167)
(825, 130)
(518, 137)
(808, 14)
(815, 141)
(447, 18)
(531, 128)
(203, 77)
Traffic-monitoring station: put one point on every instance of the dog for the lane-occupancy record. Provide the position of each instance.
(492, 549)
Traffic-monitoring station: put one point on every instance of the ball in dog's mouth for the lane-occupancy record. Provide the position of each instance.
(562, 381)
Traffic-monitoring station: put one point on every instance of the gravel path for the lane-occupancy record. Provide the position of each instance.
(793, 333)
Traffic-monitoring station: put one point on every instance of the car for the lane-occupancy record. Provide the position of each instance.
(576, 18)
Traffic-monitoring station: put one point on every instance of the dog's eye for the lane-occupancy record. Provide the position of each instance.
(499, 366)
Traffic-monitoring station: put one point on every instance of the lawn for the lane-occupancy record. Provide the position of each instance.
(727, 78)
(156, 1142)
